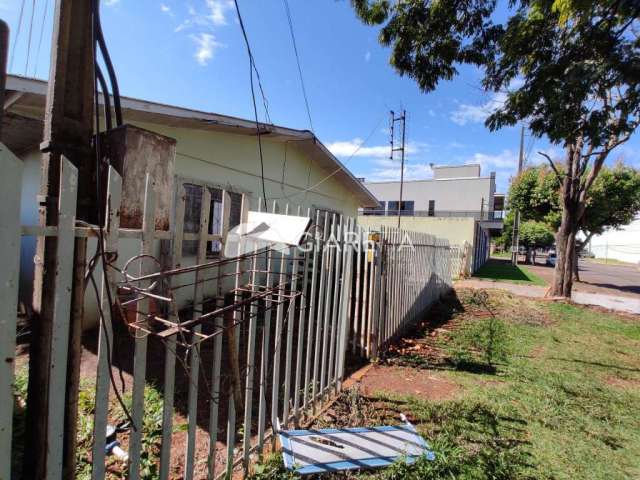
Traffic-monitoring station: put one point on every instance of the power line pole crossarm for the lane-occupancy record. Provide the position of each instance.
(402, 120)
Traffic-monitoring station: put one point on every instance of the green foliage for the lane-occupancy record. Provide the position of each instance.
(613, 200)
(272, 467)
(535, 234)
(571, 67)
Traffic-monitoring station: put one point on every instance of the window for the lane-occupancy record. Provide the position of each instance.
(192, 209)
(374, 210)
(432, 208)
(406, 207)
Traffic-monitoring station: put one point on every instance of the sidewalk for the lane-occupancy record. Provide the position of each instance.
(612, 302)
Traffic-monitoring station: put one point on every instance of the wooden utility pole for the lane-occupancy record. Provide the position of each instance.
(68, 130)
(515, 237)
(402, 120)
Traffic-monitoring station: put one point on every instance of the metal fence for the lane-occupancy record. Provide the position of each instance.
(262, 335)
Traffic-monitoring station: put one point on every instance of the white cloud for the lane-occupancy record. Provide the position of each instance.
(468, 113)
(218, 9)
(355, 148)
(110, 3)
(367, 56)
(164, 8)
(206, 45)
(391, 172)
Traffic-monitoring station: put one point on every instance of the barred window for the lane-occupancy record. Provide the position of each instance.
(193, 208)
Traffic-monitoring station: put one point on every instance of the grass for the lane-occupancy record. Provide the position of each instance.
(504, 271)
(152, 430)
(562, 403)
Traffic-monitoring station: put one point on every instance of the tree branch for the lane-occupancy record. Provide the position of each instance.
(553, 166)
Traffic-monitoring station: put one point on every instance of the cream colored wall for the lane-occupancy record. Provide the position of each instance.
(232, 161)
(224, 159)
(456, 230)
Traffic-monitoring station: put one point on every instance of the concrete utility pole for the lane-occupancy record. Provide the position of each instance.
(4, 50)
(515, 237)
(68, 131)
(402, 120)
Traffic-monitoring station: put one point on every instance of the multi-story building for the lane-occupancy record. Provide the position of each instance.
(458, 203)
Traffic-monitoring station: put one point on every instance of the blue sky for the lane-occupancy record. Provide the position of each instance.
(192, 54)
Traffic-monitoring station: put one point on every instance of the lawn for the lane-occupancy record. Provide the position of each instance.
(558, 398)
(503, 271)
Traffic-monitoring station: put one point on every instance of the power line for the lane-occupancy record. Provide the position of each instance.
(33, 12)
(17, 37)
(295, 49)
(44, 20)
(252, 67)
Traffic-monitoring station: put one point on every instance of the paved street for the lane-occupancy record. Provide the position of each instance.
(620, 280)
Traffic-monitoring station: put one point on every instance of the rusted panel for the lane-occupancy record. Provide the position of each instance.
(134, 152)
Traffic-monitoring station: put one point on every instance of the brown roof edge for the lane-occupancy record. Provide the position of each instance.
(159, 111)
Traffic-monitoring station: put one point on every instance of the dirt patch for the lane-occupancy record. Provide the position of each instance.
(623, 383)
(423, 383)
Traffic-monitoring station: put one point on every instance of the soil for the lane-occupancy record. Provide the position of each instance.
(423, 383)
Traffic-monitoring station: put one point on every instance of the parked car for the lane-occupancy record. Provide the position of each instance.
(551, 259)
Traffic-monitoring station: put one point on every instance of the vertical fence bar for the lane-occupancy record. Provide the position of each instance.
(251, 355)
(357, 343)
(170, 343)
(291, 313)
(61, 316)
(140, 354)
(365, 296)
(214, 403)
(10, 192)
(264, 358)
(336, 300)
(194, 356)
(105, 338)
(319, 318)
(235, 338)
(327, 307)
(312, 306)
(277, 349)
(302, 321)
(345, 304)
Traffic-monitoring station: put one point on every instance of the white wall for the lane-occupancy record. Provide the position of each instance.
(623, 244)
(456, 194)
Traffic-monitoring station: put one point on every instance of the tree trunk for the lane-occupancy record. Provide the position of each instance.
(576, 270)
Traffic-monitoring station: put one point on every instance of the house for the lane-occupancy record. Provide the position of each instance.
(458, 204)
(206, 150)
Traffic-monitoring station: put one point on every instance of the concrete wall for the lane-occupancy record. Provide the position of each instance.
(456, 194)
(456, 230)
(455, 171)
(623, 244)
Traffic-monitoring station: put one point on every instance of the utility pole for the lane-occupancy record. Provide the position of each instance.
(68, 131)
(402, 120)
(515, 237)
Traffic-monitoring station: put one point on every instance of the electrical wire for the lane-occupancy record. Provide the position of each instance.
(101, 211)
(295, 49)
(17, 37)
(44, 20)
(33, 11)
(252, 67)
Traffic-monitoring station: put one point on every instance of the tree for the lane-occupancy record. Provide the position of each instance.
(569, 68)
(614, 200)
(535, 235)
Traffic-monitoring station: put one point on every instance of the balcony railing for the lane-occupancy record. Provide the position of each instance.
(476, 214)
